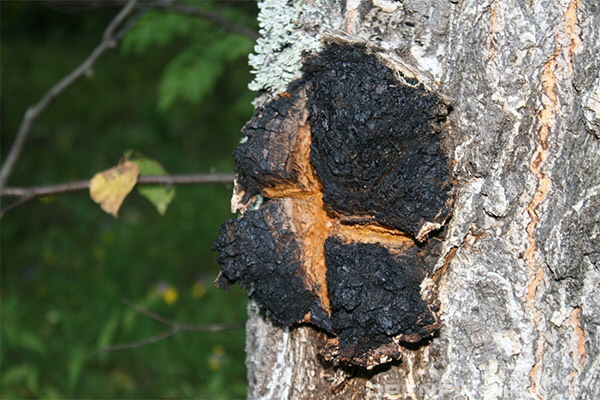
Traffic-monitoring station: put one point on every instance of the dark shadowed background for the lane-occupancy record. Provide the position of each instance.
(174, 90)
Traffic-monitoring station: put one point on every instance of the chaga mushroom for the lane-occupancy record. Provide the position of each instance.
(262, 251)
(351, 165)
(375, 300)
(272, 155)
(376, 143)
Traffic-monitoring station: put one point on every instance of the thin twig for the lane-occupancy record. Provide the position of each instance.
(213, 17)
(16, 204)
(144, 342)
(185, 179)
(109, 41)
(165, 6)
(29, 193)
(173, 329)
(193, 179)
(37, 191)
(149, 313)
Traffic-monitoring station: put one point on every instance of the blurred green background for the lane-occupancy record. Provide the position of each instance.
(175, 90)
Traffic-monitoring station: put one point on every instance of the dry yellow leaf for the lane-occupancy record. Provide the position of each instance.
(109, 188)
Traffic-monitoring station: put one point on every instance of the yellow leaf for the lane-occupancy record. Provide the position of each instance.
(109, 188)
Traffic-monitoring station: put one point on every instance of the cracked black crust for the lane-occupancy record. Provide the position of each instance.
(376, 147)
(375, 297)
(376, 142)
(265, 158)
(261, 253)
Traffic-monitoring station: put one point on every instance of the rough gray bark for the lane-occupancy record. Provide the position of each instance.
(519, 278)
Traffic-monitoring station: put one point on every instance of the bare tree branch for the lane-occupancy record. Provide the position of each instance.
(174, 328)
(30, 193)
(36, 191)
(109, 40)
(194, 179)
(185, 179)
(16, 204)
(149, 313)
(144, 342)
(163, 5)
(111, 36)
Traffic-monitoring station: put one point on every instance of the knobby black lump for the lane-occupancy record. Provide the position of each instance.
(375, 296)
(265, 158)
(261, 253)
(376, 143)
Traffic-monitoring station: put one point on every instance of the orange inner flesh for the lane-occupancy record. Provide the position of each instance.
(314, 224)
(305, 184)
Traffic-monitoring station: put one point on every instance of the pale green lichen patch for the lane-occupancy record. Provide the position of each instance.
(287, 30)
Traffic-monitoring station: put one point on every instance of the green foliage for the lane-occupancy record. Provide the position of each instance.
(67, 265)
(159, 195)
(193, 73)
(156, 30)
(25, 374)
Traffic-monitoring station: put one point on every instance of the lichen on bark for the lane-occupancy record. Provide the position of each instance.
(519, 301)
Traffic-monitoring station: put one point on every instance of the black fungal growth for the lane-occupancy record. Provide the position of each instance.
(369, 144)
(265, 158)
(375, 142)
(374, 296)
(260, 252)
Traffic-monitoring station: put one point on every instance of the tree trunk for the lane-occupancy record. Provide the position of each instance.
(518, 276)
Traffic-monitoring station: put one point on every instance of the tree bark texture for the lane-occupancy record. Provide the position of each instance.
(518, 279)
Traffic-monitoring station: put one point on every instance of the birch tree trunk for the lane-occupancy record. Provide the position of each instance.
(519, 275)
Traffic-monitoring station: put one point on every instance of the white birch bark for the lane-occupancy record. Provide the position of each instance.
(520, 285)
